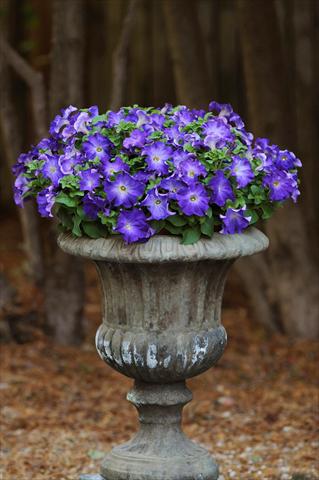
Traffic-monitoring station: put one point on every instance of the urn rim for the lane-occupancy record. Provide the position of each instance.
(165, 248)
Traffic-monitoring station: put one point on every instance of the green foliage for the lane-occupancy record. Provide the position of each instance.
(191, 235)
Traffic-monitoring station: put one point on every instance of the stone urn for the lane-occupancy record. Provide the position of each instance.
(162, 325)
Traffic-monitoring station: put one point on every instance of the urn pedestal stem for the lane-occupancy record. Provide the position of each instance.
(161, 326)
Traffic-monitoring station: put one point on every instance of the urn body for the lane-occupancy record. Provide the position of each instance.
(162, 325)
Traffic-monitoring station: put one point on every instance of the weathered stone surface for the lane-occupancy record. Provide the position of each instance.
(91, 477)
(165, 248)
(162, 325)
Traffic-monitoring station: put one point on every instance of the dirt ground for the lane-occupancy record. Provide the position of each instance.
(62, 408)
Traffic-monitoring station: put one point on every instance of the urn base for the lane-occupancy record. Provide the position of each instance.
(94, 476)
(160, 450)
(199, 466)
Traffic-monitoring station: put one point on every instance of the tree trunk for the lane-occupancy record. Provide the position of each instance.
(65, 280)
(189, 62)
(120, 58)
(291, 276)
(12, 143)
(161, 62)
(304, 23)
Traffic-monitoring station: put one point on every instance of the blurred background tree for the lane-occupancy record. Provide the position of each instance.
(259, 55)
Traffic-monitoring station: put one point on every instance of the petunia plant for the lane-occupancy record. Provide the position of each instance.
(142, 171)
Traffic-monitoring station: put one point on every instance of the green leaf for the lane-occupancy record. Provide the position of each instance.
(189, 148)
(173, 230)
(94, 230)
(177, 220)
(64, 217)
(76, 230)
(64, 199)
(80, 213)
(69, 181)
(191, 235)
(207, 228)
(268, 210)
(209, 212)
(158, 225)
(253, 214)
(99, 118)
(157, 135)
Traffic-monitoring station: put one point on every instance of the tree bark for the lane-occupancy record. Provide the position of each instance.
(305, 53)
(35, 82)
(189, 62)
(65, 281)
(12, 143)
(292, 277)
(75, 35)
(120, 58)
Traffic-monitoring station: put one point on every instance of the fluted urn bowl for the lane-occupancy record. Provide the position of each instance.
(161, 326)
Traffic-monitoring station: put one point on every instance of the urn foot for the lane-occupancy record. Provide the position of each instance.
(91, 476)
(160, 450)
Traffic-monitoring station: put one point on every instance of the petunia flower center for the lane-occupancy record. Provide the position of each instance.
(123, 188)
(276, 183)
(52, 169)
(99, 149)
(128, 226)
(157, 202)
(193, 198)
(156, 159)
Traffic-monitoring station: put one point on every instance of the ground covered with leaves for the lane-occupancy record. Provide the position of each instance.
(62, 408)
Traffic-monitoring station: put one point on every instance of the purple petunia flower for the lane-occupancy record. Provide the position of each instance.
(133, 226)
(172, 184)
(89, 179)
(157, 204)
(114, 118)
(234, 221)
(280, 185)
(174, 135)
(217, 133)
(222, 189)
(124, 190)
(180, 155)
(223, 109)
(190, 170)
(226, 111)
(142, 176)
(193, 139)
(286, 160)
(51, 169)
(69, 159)
(45, 201)
(61, 121)
(22, 161)
(20, 188)
(93, 204)
(142, 118)
(137, 139)
(109, 167)
(157, 120)
(157, 155)
(81, 123)
(295, 192)
(193, 200)
(242, 171)
(184, 116)
(97, 146)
